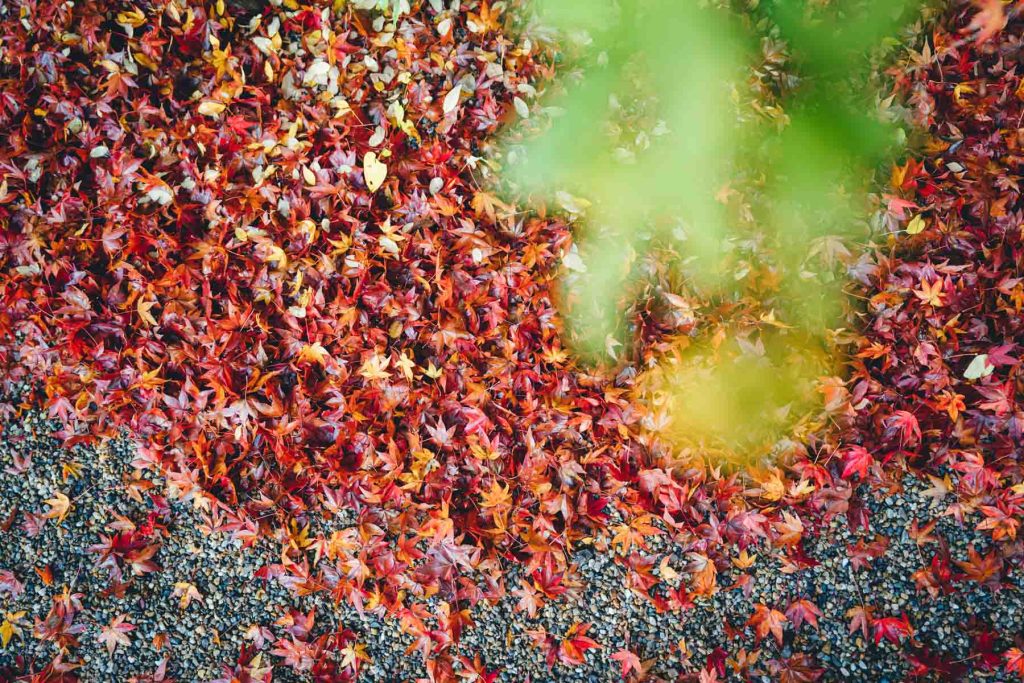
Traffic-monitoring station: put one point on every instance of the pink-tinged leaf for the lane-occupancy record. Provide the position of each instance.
(628, 661)
(116, 633)
(801, 611)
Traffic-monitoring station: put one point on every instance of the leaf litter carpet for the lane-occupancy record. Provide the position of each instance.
(253, 237)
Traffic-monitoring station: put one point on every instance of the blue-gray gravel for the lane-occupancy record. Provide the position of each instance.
(209, 632)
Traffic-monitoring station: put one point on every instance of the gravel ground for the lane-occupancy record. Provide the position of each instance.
(208, 633)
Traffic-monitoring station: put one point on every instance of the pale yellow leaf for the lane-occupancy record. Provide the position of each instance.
(915, 225)
(451, 100)
(374, 171)
(211, 108)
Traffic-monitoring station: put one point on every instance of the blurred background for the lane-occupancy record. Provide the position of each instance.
(717, 160)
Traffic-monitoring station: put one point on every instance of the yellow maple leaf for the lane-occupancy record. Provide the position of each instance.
(772, 487)
(375, 367)
(299, 536)
(498, 496)
(406, 365)
(744, 560)
(186, 593)
(800, 489)
(432, 372)
(143, 308)
(313, 353)
(930, 294)
(149, 380)
(939, 489)
(482, 453)
(666, 570)
(70, 469)
(60, 505)
(555, 356)
(9, 628)
(351, 654)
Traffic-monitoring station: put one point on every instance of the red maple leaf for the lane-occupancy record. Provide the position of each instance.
(575, 644)
(892, 629)
(856, 460)
(906, 423)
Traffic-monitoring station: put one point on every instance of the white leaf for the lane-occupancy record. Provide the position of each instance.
(264, 45)
(522, 108)
(161, 194)
(316, 74)
(451, 100)
(574, 205)
(979, 368)
(572, 261)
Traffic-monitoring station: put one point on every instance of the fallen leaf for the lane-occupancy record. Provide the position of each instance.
(115, 633)
(451, 100)
(60, 505)
(211, 108)
(374, 171)
(766, 620)
(979, 367)
(916, 225)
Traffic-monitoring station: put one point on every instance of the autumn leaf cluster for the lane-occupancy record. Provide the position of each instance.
(261, 238)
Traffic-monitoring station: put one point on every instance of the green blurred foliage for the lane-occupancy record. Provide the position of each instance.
(687, 62)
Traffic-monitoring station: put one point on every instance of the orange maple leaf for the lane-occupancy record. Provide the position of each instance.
(766, 620)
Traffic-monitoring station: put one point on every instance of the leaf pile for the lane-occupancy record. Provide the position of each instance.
(257, 240)
(936, 374)
(254, 234)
